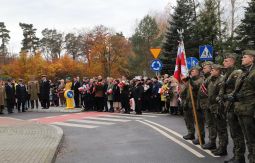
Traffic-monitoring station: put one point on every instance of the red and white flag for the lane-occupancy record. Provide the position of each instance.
(181, 70)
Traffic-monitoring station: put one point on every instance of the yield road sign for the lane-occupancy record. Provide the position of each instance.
(206, 52)
(155, 52)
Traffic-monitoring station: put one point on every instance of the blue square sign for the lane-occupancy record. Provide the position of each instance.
(206, 53)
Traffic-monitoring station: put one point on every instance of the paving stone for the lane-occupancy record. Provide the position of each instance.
(28, 142)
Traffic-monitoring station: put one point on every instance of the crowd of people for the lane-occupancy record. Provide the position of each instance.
(157, 94)
(218, 94)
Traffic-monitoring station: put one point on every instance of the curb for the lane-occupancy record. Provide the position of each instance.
(60, 143)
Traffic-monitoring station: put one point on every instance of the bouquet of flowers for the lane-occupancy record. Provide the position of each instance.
(109, 91)
(99, 84)
(121, 84)
(81, 89)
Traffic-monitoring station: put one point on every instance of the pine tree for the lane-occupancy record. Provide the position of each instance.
(184, 17)
(30, 42)
(208, 24)
(51, 43)
(4, 38)
(246, 30)
(73, 45)
(145, 37)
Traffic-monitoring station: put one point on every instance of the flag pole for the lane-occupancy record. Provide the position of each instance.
(192, 98)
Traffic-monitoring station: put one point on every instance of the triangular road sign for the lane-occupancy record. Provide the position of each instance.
(155, 52)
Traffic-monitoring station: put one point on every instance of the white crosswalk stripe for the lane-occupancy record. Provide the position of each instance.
(108, 119)
(127, 117)
(91, 122)
(74, 125)
(134, 115)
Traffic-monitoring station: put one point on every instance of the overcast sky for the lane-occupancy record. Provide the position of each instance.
(68, 15)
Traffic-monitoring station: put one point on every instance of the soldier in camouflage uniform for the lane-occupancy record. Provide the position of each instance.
(195, 82)
(202, 101)
(244, 93)
(228, 85)
(219, 123)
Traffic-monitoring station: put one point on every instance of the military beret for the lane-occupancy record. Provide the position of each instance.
(249, 52)
(209, 63)
(217, 66)
(230, 55)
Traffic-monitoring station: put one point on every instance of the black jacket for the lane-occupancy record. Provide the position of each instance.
(21, 93)
(116, 93)
(44, 89)
(10, 92)
(75, 87)
(138, 91)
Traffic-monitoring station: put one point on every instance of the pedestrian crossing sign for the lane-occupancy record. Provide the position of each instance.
(206, 52)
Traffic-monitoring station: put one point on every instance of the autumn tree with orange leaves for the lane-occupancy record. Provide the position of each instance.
(102, 52)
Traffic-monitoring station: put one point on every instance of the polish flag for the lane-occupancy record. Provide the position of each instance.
(181, 70)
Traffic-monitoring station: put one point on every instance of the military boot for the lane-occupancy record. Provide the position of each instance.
(210, 146)
(196, 141)
(222, 151)
(234, 160)
(189, 137)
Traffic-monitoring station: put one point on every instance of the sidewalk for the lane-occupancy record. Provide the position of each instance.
(28, 142)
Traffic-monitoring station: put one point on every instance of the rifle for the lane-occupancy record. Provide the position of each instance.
(233, 97)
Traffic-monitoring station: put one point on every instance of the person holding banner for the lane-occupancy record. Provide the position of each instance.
(191, 87)
(195, 82)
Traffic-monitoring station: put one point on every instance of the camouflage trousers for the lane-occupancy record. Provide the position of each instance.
(190, 123)
(219, 128)
(237, 135)
(212, 132)
(247, 124)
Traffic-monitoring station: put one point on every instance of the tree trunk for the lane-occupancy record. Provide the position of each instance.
(219, 24)
(233, 2)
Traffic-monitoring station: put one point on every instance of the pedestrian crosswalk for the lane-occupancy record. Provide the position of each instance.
(90, 122)
(74, 125)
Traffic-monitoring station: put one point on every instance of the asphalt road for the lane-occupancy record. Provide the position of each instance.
(117, 138)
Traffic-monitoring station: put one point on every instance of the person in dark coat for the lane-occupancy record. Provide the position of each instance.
(10, 96)
(124, 94)
(147, 95)
(75, 87)
(105, 96)
(137, 94)
(45, 92)
(21, 95)
(99, 95)
(116, 95)
(155, 95)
